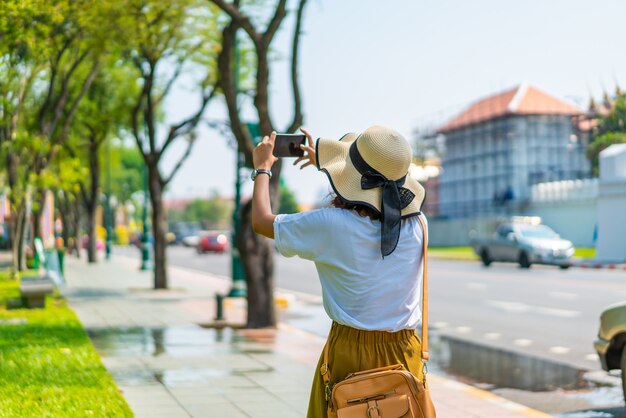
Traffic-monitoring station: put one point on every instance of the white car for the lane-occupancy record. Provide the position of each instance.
(191, 240)
(525, 244)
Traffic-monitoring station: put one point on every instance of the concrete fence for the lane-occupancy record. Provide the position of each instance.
(569, 207)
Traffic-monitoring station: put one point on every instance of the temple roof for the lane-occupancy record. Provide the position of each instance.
(521, 100)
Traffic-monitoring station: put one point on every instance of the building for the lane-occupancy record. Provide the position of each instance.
(500, 146)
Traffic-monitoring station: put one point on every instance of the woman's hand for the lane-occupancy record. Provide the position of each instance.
(262, 156)
(310, 157)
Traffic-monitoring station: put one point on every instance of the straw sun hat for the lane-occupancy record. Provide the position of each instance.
(372, 169)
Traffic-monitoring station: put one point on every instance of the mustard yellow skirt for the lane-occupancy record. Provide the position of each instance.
(353, 350)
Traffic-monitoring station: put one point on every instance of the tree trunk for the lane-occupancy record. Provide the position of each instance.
(65, 221)
(39, 200)
(18, 238)
(258, 260)
(77, 238)
(257, 256)
(91, 199)
(12, 181)
(92, 254)
(36, 224)
(159, 228)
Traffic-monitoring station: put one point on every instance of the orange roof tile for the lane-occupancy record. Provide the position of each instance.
(522, 100)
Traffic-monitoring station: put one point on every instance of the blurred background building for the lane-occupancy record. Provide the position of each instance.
(518, 152)
(501, 145)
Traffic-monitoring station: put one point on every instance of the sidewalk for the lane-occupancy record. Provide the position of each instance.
(168, 365)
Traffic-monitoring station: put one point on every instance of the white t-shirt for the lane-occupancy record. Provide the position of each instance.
(359, 288)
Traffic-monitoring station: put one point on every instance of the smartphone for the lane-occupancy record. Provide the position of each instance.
(288, 145)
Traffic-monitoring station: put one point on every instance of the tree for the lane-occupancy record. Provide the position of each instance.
(20, 49)
(52, 52)
(177, 35)
(611, 130)
(63, 178)
(127, 167)
(288, 202)
(257, 251)
(212, 213)
(76, 41)
(104, 112)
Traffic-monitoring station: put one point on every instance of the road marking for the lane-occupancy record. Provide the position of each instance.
(592, 357)
(523, 342)
(562, 313)
(476, 286)
(463, 330)
(518, 307)
(564, 295)
(559, 350)
(492, 336)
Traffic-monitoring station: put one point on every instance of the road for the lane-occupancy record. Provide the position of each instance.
(543, 311)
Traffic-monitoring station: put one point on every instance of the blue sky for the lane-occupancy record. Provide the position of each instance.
(406, 64)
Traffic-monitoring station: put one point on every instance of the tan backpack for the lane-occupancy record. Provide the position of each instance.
(386, 392)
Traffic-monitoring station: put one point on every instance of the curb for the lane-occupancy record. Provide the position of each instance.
(599, 265)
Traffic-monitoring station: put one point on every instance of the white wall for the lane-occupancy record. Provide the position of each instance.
(569, 207)
(456, 232)
(612, 204)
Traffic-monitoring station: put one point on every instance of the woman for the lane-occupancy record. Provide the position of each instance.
(367, 249)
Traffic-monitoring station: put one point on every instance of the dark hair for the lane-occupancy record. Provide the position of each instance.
(362, 210)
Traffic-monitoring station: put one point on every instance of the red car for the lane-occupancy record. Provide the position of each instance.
(214, 242)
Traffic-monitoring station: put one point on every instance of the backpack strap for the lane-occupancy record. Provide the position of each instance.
(325, 369)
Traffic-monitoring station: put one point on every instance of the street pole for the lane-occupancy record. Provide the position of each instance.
(107, 209)
(145, 243)
(238, 275)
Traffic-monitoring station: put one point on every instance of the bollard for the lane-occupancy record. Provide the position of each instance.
(219, 304)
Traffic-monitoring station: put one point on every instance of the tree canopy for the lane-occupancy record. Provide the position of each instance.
(611, 130)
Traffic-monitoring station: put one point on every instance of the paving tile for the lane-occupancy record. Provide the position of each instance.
(220, 410)
(167, 366)
(161, 410)
(259, 408)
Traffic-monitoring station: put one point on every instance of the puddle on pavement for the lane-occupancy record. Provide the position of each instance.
(595, 413)
(541, 384)
(174, 341)
(139, 341)
(497, 368)
(133, 345)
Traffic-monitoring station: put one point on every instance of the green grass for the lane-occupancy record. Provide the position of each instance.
(467, 254)
(585, 252)
(452, 253)
(48, 367)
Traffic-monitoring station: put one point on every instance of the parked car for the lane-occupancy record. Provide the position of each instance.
(192, 240)
(611, 341)
(216, 242)
(181, 230)
(525, 243)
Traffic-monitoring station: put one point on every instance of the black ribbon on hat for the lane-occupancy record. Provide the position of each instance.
(394, 199)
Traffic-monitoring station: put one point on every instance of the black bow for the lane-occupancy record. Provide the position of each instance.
(394, 199)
